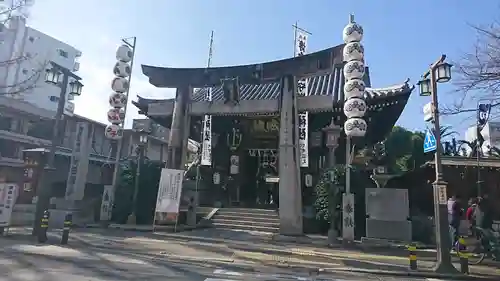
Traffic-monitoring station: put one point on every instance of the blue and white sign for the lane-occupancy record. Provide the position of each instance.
(429, 142)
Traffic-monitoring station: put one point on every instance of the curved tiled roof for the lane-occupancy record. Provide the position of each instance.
(324, 85)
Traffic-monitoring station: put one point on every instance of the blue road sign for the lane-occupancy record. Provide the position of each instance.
(429, 142)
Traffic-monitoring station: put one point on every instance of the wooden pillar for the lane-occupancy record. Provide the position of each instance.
(290, 194)
(177, 145)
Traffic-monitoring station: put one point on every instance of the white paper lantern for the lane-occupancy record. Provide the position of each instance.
(353, 32)
(354, 51)
(118, 100)
(119, 84)
(354, 88)
(354, 107)
(355, 127)
(124, 53)
(116, 115)
(354, 70)
(122, 69)
(113, 132)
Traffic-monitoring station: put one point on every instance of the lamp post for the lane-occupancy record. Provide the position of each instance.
(143, 141)
(59, 76)
(439, 72)
(332, 137)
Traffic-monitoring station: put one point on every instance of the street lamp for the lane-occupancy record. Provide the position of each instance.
(439, 71)
(75, 88)
(59, 76)
(143, 141)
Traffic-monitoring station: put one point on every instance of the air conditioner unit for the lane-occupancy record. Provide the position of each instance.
(76, 66)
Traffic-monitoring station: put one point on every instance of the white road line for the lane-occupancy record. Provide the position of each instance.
(227, 272)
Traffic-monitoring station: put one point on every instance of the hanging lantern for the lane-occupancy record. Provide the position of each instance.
(117, 100)
(354, 70)
(354, 88)
(353, 32)
(116, 115)
(124, 53)
(113, 132)
(353, 51)
(120, 84)
(354, 107)
(122, 69)
(355, 127)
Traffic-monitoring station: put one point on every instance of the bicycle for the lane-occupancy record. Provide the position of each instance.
(484, 244)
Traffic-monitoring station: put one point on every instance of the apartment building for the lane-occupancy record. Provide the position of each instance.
(28, 52)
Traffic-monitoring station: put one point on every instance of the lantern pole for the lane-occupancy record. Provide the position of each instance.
(119, 145)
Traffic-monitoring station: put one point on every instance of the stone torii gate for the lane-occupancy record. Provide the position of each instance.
(286, 72)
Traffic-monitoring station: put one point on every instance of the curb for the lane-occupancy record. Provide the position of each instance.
(422, 274)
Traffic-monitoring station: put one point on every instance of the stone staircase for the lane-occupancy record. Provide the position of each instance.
(263, 220)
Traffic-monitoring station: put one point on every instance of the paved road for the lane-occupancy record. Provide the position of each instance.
(25, 261)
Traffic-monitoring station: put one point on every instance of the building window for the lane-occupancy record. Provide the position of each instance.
(62, 53)
(31, 38)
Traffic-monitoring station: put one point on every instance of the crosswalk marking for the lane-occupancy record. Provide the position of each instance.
(226, 272)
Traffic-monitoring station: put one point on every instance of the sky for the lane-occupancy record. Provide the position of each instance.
(402, 38)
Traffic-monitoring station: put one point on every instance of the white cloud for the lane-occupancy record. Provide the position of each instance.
(96, 72)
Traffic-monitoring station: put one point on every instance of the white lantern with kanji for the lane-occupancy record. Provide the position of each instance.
(354, 107)
(113, 131)
(116, 115)
(354, 70)
(117, 100)
(124, 53)
(353, 32)
(122, 69)
(354, 88)
(355, 127)
(353, 51)
(120, 84)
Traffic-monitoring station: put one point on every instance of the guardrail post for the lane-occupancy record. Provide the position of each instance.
(66, 228)
(44, 226)
(412, 256)
(463, 255)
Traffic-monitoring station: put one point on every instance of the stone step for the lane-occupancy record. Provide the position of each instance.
(235, 226)
(251, 218)
(248, 210)
(247, 213)
(253, 223)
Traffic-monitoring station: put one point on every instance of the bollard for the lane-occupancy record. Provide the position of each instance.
(463, 255)
(412, 252)
(44, 226)
(66, 228)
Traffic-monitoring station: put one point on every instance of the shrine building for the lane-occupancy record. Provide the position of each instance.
(265, 128)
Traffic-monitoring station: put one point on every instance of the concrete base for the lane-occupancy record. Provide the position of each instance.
(131, 219)
(333, 236)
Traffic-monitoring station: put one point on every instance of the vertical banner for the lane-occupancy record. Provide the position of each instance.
(348, 216)
(78, 169)
(107, 203)
(302, 90)
(483, 113)
(168, 200)
(206, 145)
(8, 196)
